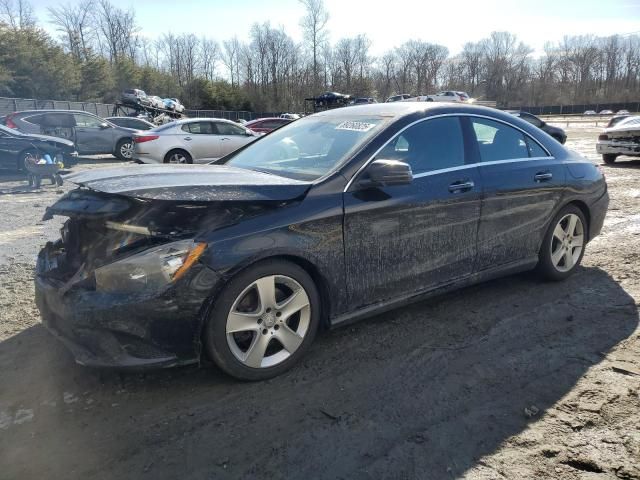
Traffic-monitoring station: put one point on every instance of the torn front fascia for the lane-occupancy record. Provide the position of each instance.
(629, 137)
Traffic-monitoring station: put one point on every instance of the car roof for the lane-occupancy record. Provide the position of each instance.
(199, 119)
(53, 110)
(401, 109)
(265, 118)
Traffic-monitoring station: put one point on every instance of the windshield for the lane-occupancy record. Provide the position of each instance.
(309, 148)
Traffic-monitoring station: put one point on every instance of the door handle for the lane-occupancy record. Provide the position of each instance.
(461, 186)
(187, 138)
(224, 138)
(543, 176)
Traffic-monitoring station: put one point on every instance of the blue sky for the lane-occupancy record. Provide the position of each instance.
(389, 24)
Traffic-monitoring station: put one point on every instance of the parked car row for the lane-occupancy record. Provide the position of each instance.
(605, 112)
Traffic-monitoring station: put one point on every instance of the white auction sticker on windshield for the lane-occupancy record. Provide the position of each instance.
(356, 126)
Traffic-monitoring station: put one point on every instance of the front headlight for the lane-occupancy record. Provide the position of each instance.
(150, 270)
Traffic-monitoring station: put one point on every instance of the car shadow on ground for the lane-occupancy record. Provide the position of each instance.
(421, 392)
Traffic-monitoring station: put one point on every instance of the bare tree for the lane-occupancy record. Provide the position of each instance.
(75, 22)
(209, 56)
(18, 14)
(314, 27)
(231, 59)
(118, 30)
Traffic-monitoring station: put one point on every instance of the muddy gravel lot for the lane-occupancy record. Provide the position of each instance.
(513, 379)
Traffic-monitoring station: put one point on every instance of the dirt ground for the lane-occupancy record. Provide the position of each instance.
(512, 379)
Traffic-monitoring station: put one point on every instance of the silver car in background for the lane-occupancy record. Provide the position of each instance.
(197, 140)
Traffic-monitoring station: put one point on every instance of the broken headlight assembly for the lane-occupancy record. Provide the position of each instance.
(150, 270)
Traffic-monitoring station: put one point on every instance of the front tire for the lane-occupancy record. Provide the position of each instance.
(563, 245)
(263, 321)
(124, 149)
(609, 158)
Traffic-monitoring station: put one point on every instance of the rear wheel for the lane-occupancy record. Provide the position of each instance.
(609, 158)
(563, 244)
(124, 149)
(264, 321)
(178, 156)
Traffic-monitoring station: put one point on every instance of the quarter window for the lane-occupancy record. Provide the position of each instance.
(498, 141)
(535, 150)
(429, 145)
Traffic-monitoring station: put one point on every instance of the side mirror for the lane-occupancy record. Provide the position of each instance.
(384, 173)
(104, 125)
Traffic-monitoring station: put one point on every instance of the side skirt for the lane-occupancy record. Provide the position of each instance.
(479, 277)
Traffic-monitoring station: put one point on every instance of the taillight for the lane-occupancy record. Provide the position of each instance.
(603, 137)
(9, 122)
(144, 138)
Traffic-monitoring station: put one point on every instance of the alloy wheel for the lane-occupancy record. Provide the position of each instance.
(567, 242)
(177, 158)
(268, 321)
(126, 150)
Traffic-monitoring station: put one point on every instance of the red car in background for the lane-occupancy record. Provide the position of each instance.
(266, 125)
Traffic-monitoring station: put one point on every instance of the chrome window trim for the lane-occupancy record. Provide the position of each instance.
(460, 167)
(479, 164)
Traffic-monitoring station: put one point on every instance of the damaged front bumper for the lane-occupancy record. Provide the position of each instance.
(137, 331)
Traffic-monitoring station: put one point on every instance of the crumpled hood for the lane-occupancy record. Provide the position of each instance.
(190, 183)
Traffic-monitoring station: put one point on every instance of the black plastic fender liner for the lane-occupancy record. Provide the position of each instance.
(88, 204)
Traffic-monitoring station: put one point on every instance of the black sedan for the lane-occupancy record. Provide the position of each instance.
(334, 217)
(556, 132)
(16, 147)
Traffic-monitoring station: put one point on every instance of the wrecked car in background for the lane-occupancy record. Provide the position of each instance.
(621, 139)
(334, 217)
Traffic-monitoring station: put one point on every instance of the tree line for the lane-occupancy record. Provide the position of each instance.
(98, 52)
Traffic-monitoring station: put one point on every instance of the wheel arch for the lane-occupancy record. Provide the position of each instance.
(176, 148)
(309, 267)
(584, 208)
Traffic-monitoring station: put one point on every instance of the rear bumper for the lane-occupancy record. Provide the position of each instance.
(124, 331)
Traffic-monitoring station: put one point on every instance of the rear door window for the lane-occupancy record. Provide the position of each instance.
(498, 141)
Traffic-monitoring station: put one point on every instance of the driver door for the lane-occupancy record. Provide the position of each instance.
(409, 238)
